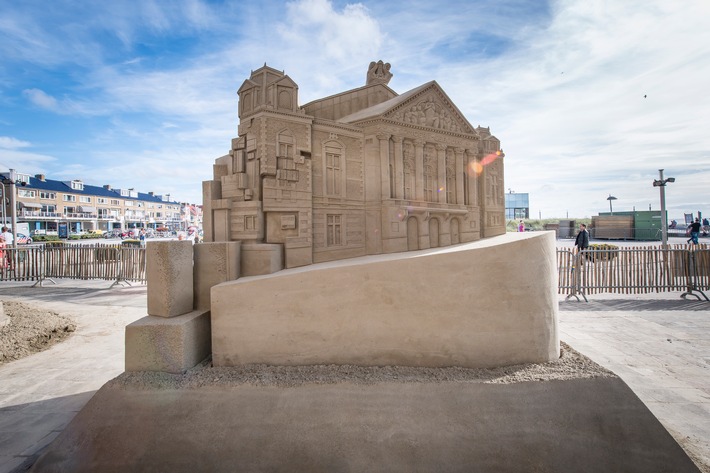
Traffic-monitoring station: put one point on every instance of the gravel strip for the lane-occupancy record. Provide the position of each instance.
(570, 365)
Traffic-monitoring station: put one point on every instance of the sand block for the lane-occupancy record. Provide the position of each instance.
(261, 258)
(483, 304)
(215, 263)
(172, 344)
(170, 278)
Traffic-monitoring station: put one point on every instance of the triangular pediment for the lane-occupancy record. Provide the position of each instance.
(429, 106)
(246, 85)
(286, 81)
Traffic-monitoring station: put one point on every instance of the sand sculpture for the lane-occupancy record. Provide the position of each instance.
(363, 172)
(344, 179)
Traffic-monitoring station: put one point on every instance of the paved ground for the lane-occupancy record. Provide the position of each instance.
(658, 344)
(40, 394)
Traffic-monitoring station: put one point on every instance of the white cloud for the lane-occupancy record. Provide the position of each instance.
(561, 87)
(24, 161)
(8, 142)
(569, 106)
(41, 99)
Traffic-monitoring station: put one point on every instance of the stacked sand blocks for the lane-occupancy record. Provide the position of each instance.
(176, 334)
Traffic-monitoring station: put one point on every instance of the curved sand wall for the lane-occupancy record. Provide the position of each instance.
(481, 304)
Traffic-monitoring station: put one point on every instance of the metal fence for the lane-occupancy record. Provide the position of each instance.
(635, 270)
(40, 263)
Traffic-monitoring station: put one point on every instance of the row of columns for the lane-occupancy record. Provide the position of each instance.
(463, 170)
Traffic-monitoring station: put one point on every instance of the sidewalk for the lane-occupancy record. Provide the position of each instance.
(41, 394)
(658, 344)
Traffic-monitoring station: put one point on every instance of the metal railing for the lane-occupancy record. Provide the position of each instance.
(634, 271)
(39, 263)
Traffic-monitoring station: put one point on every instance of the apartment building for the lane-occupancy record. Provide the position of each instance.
(45, 203)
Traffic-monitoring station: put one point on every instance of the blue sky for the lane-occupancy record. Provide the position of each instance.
(143, 93)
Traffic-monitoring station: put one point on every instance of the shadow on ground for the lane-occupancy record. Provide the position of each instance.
(634, 305)
(29, 428)
(127, 296)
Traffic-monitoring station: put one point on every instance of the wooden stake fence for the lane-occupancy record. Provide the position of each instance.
(108, 262)
(635, 270)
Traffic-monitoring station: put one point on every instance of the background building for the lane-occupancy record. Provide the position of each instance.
(517, 206)
(44, 203)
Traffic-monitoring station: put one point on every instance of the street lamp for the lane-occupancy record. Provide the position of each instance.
(660, 182)
(10, 180)
(610, 198)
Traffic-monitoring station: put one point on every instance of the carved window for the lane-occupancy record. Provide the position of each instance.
(333, 170)
(450, 181)
(246, 99)
(334, 230)
(408, 181)
(285, 145)
(391, 169)
(249, 222)
(466, 199)
(284, 98)
(429, 184)
(285, 165)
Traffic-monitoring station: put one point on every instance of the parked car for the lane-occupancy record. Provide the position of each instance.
(23, 239)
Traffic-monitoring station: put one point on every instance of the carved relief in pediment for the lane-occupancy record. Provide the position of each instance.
(429, 111)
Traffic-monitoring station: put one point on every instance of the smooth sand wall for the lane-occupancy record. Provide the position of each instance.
(481, 304)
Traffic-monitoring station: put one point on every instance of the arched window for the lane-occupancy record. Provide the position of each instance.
(284, 98)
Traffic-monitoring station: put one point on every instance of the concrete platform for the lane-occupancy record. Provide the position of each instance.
(580, 425)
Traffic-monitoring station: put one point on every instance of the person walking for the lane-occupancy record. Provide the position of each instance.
(582, 240)
(521, 226)
(694, 231)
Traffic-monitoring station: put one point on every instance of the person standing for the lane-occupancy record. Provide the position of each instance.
(582, 240)
(694, 231)
(521, 226)
(3, 260)
(7, 235)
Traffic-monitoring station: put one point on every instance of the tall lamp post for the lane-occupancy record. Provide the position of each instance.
(660, 182)
(610, 198)
(10, 180)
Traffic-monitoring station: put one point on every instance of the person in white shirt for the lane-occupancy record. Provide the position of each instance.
(8, 236)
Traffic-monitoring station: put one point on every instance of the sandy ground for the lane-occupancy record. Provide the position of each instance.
(570, 365)
(29, 329)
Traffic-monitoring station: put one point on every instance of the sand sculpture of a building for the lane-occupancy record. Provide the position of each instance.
(363, 172)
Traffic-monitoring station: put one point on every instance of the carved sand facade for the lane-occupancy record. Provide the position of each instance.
(363, 172)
